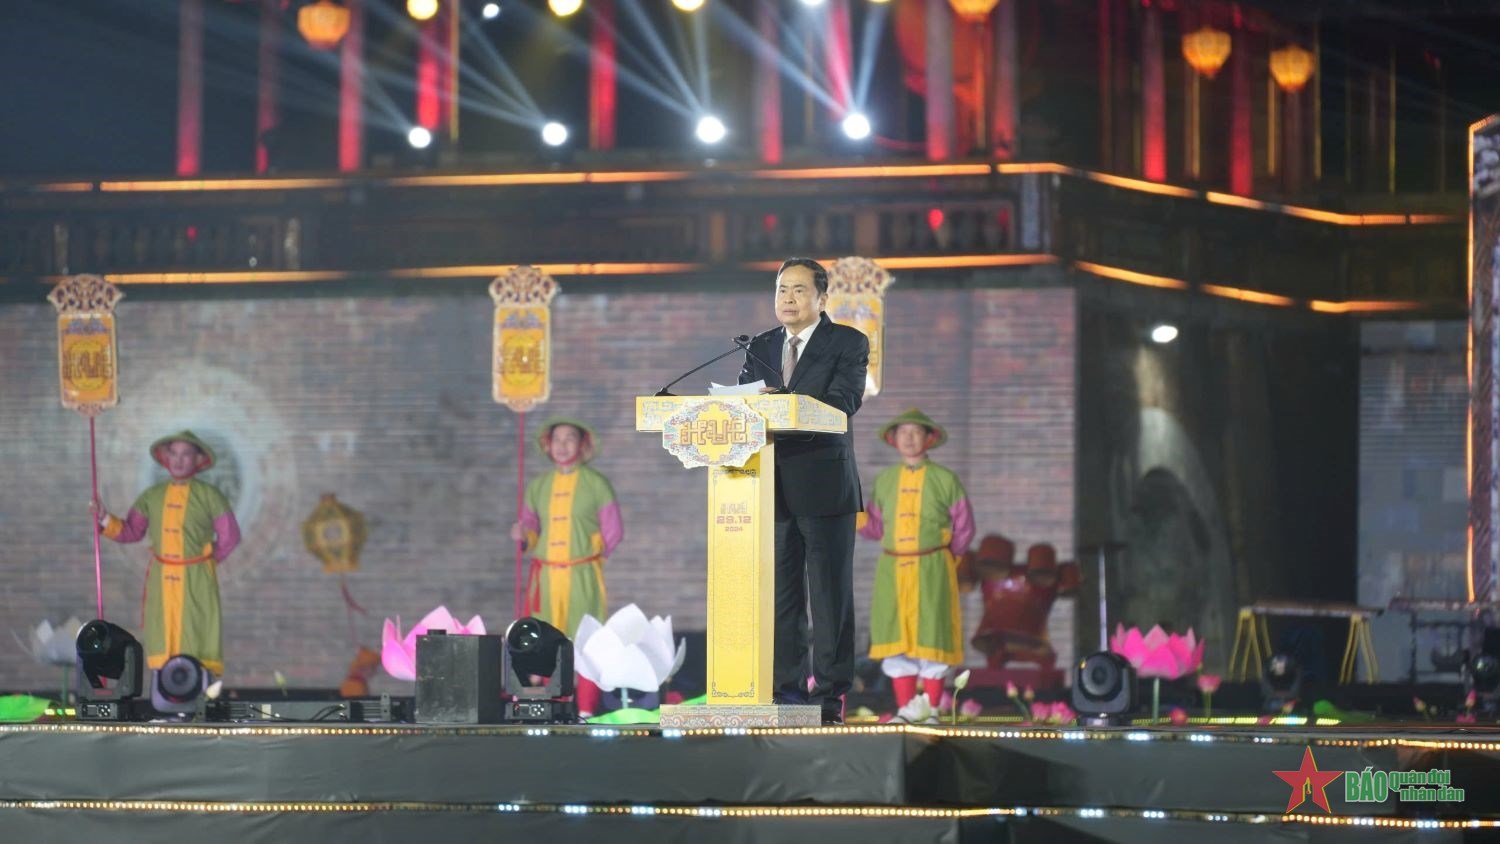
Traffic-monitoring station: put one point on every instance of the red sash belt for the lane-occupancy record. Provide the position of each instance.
(534, 578)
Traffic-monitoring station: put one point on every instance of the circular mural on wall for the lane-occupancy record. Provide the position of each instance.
(249, 438)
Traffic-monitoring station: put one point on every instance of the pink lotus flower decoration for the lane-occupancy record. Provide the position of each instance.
(1052, 713)
(1209, 683)
(398, 654)
(1157, 654)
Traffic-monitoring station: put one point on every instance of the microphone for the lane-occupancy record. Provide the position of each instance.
(666, 391)
(743, 341)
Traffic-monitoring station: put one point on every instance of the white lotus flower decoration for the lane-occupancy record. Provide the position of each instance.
(628, 651)
(56, 645)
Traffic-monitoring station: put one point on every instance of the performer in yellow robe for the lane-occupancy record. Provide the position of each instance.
(191, 531)
(920, 513)
(570, 522)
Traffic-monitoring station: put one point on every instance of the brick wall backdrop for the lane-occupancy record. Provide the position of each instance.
(386, 402)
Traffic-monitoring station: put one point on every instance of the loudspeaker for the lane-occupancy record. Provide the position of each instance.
(458, 679)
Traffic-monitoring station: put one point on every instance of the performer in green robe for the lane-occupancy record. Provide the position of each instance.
(191, 531)
(570, 523)
(921, 515)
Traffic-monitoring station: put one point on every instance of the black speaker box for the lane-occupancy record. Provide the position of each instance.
(458, 679)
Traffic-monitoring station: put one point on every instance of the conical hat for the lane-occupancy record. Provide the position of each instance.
(590, 448)
(205, 462)
(917, 417)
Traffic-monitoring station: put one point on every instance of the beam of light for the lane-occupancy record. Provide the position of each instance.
(869, 48)
(749, 37)
(647, 30)
(1164, 333)
(519, 97)
(656, 89)
(688, 6)
(700, 52)
(687, 55)
(564, 8)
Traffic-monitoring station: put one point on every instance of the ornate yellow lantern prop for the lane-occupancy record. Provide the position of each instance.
(1291, 67)
(335, 533)
(522, 362)
(87, 359)
(1206, 50)
(323, 24)
(856, 296)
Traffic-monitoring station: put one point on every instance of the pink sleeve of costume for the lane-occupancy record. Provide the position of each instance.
(611, 526)
(874, 527)
(228, 530)
(963, 526)
(134, 529)
(530, 521)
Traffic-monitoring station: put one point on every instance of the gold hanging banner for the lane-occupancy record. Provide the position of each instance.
(523, 337)
(87, 354)
(856, 296)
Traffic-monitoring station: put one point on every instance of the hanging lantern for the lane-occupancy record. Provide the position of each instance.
(1206, 50)
(1291, 67)
(323, 24)
(334, 533)
(973, 11)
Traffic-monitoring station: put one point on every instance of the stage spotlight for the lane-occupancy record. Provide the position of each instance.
(108, 652)
(490, 11)
(422, 10)
(812, 4)
(856, 126)
(1280, 683)
(710, 129)
(419, 137)
(554, 134)
(564, 8)
(180, 685)
(1481, 672)
(1103, 689)
(534, 648)
(1164, 333)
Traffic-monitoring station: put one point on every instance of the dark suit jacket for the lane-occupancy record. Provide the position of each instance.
(815, 473)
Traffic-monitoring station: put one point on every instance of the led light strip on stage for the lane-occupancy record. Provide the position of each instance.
(939, 732)
(869, 812)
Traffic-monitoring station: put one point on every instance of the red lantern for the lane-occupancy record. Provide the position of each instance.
(323, 24)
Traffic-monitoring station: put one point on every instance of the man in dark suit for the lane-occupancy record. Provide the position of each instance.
(817, 489)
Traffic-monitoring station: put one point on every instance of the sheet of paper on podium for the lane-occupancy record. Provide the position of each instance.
(751, 389)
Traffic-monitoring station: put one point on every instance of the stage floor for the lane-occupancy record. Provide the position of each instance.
(114, 782)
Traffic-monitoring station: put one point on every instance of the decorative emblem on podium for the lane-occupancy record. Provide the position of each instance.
(714, 433)
(856, 296)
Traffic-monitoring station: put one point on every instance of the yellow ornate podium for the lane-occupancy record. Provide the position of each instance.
(731, 436)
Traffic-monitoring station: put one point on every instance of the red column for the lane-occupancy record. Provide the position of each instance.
(1153, 98)
(190, 88)
(1241, 142)
(940, 128)
(838, 55)
(1005, 102)
(602, 84)
(265, 103)
(768, 84)
(351, 90)
(429, 73)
